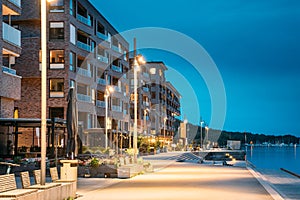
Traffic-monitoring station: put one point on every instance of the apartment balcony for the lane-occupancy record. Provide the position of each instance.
(115, 48)
(116, 88)
(12, 39)
(102, 59)
(11, 7)
(9, 70)
(84, 20)
(145, 103)
(145, 89)
(100, 104)
(101, 81)
(84, 46)
(116, 68)
(116, 108)
(102, 36)
(84, 72)
(16, 2)
(84, 97)
(10, 84)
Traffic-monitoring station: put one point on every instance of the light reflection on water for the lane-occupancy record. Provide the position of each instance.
(275, 157)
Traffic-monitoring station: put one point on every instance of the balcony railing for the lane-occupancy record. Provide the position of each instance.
(116, 88)
(100, 104)
(84, 72)
(16, 2)
(83, 97)
(84, 46)
(125, 112)
(116, 68)
(11, 35)
(102, 36)
(9, 71)
(102, 58)
(146, 89)
(115, 48)
(101, 81)
(116, 108)
(84, 20)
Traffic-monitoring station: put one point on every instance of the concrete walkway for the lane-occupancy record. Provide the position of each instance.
(177, 180)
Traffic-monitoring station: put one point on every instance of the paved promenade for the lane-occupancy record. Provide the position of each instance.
(177, 180)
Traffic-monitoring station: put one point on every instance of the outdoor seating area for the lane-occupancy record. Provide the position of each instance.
(56, 190)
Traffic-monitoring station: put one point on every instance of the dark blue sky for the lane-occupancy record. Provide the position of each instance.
(255, 45)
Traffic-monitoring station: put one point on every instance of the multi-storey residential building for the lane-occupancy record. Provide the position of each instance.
(84, 51)
(165, 103)
(10, 81)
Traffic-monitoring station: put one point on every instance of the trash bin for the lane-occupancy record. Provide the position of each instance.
(69, 170)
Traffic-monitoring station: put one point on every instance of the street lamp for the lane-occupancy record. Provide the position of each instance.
(108, 90)
(201, 139)
(207, 129)
(138, 60)
(43, 88)
(165, 119)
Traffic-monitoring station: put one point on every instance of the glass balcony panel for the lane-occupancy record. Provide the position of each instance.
(9, 71)
(102, 36)
(16, 2)
(100, 104)
(102, 58)
(11, 35)
(83, 97)
(84, 72)
(84, 46)
(101, 81)
(116, 68)
(84, 20)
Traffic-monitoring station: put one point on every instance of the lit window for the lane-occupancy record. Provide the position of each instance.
(57, 87)
(152, 71)
(56, 6)
(57, 59)
(56, 31)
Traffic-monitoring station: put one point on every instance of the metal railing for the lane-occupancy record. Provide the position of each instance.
(115, 48)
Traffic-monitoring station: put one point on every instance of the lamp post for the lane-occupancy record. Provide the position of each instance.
(108, 91)
(165, 119)
(207, 129)
(201, 139)
(137, 61)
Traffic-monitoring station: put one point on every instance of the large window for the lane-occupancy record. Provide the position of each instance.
(72, 34)
(57, 87)
(57, 59)
(56, 6)
(56, 31)
(56, 112)
(73, 8)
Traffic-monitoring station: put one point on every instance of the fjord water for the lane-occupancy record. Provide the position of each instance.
(275, 157)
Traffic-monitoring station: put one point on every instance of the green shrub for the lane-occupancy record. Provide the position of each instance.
(94, 163)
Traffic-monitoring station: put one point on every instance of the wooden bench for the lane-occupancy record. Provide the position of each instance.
(25, 179)
(37, 179)
(8, 187)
